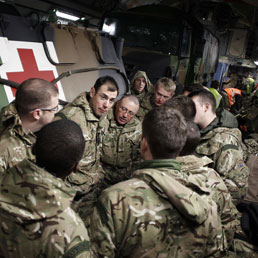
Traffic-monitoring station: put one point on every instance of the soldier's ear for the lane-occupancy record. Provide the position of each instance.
(145, 148)
(92, 92)
(76, 167)
(206, 107)
(36, 113)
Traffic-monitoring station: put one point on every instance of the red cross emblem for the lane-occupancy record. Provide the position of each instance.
(30, 69)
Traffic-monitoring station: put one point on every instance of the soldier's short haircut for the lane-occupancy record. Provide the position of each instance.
(110, 81)
(193, 139)
(184, 104)
(205, 96)
(193, 87)
(34, 93)
(59, 146)
(165, 131)
(132, 98)
(167, 83)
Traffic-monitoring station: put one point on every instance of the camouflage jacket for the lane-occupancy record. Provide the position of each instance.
(154, 215)
(93, 128)
(198, 168)
(36, 218)
(15, 144)
(145, 106)
(224, 146)
(148, 87)
(121, 149)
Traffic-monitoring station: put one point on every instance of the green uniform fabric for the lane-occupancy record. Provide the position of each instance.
(88, 178)
(15, 144)
(227, 119)
(148, 86)
(120, 153)
(36, 218)
(155, 215)
(224, 146)
(146, 105)
(198, 168)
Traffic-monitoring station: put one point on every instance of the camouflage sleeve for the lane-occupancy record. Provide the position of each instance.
(72, 113)
(136, 152)
(230, 165)
(102, 232)
(66, 236)
(3, 165)
(227, 209)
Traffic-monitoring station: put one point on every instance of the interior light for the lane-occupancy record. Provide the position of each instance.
(67, 16)
(256, 62)
(109, 28)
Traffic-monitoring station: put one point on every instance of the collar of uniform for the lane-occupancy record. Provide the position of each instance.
(9, 115)
(160, 163)
(11, 119)
(190, 162)
(212, 125)
(147, 101)
(82, 101)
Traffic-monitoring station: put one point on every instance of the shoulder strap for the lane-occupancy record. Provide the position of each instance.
(77, 249)
(61, 115)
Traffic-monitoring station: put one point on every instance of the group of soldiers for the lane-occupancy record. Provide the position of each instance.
(149, 175)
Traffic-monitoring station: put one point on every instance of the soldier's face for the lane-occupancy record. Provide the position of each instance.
(47, 114)
(200, 111)
(125, 111)
(139, 84)
(161, 95)
(102, 100)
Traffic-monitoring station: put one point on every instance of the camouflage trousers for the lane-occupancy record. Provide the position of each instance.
(83, 203)
(88, 186)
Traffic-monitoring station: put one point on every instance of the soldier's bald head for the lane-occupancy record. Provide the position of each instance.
(126, 109)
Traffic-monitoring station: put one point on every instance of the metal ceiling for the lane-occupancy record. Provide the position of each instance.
(100, 7)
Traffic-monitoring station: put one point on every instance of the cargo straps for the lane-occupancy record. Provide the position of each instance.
(16, 85)
(84, 70)
(77, 249)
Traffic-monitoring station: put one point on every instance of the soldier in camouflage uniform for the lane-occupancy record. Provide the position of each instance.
(35, 105)
(35, 213)
(226, 119)
(121, 144)
(223, 145)
(164, 90)
(89, 111)
(154, 214)
(140, 85)
(198, 168)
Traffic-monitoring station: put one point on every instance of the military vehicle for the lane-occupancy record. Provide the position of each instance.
(34, 44)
